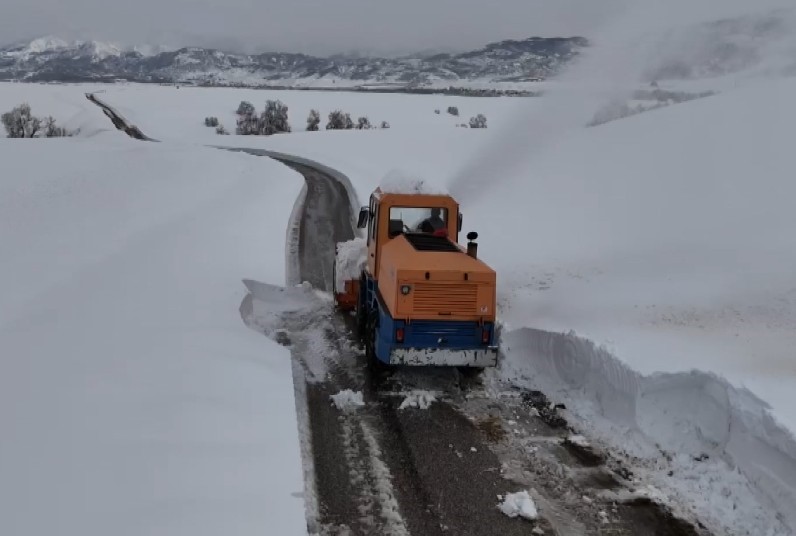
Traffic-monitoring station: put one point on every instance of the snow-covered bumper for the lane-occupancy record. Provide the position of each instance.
(481, 357)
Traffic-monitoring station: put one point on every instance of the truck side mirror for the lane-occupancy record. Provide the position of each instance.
(459, 224)
(364, 214)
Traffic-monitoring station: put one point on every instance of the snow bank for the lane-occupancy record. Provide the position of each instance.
(716, 436)
(519, 504)
(347, 399)
(352, 256)
(418, 399)
(132, 397)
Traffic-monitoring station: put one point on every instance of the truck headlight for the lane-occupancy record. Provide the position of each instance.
(406, 289)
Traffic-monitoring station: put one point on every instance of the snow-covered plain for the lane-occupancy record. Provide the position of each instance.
(665, 238)
(133, 399)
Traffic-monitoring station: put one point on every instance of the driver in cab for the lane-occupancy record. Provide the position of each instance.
(434, 224)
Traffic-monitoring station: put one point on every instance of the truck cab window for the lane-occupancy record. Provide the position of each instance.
(417, 220)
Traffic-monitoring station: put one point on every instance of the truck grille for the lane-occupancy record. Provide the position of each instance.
(435, 298)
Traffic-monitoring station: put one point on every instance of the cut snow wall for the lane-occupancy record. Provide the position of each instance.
(691, 413)
(292, 264)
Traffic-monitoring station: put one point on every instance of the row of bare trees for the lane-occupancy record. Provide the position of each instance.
(21, 123)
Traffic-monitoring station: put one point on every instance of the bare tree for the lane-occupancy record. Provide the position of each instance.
(245, 108)
(51, 130)
(20, 123)
(338, 120)
(363, 123)
(274, 118)
(313, 120)
(247, 123)
(479, 121)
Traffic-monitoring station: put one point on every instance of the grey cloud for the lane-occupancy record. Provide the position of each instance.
(312, 26)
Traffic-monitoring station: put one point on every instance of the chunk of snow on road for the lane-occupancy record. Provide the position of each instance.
(401, 182)
(519, 504)
(418, 399)
(347, 399)
(579, 440)
(351, 258)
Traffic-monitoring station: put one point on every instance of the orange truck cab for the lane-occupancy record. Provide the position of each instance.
(421, 299)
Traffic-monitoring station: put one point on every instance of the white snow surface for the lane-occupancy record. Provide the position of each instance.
(398, 181)
(519, 504)
(352, 256)
(347, 399)
(663, 241)
(133, 399)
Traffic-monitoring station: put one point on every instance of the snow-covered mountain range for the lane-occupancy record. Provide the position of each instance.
(759, 42)
(53, 59)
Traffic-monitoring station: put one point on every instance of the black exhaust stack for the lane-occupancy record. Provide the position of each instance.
(472, 247)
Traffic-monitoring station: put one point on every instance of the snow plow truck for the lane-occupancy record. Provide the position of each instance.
(419, 298)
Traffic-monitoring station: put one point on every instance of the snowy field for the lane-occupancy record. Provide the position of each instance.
(665, 236)
(133, 399)
(665, 239)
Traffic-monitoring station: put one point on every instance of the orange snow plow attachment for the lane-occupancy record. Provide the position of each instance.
(347, 299)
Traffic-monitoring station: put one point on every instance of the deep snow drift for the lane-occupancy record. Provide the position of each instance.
(133, 399)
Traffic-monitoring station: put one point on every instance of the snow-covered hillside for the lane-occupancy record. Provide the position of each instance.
(133, 400)
(666, 237)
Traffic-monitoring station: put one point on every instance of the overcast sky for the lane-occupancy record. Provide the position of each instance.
(312, 26)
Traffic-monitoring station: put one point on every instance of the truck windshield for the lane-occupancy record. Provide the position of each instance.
(416, 219)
